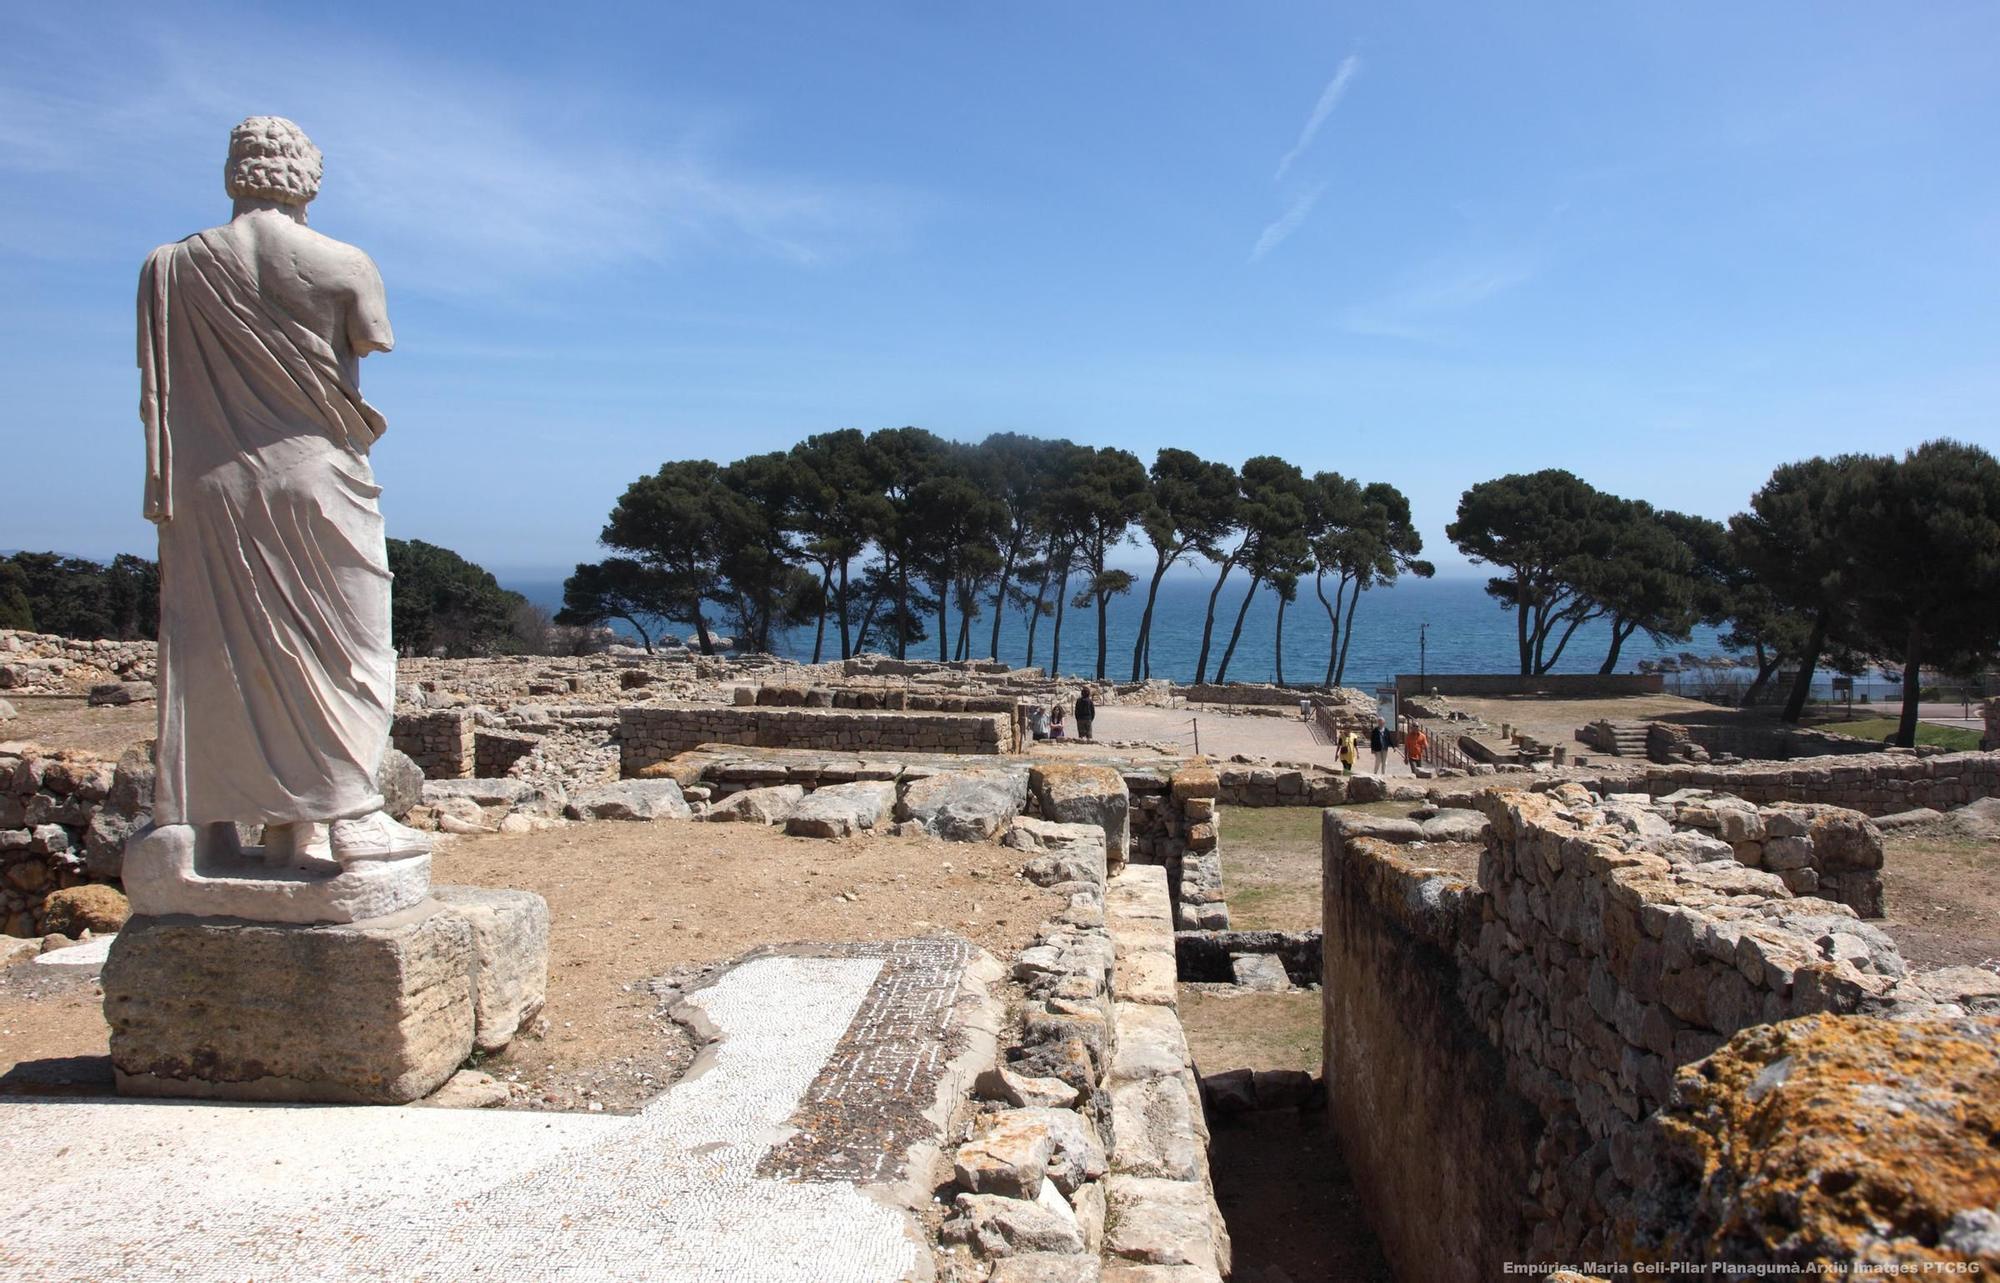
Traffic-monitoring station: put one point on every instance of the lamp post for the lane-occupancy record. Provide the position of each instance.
(1423, 683)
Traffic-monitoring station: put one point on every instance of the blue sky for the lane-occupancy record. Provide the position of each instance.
(1667, 246)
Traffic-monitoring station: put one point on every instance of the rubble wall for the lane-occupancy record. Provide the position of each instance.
(649, 735)
(1435, 1138)
(64, 818)
(1872, 783)
(1593, 964)
(1176, 824)
(45, 664)
(443, 744)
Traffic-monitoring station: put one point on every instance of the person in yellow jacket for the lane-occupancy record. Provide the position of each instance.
(1349, 750)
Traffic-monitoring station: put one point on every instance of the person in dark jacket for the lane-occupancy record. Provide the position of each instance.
(1378, 744)
(1086, 713)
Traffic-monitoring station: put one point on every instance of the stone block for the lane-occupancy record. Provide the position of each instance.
(839, 810)
(510, 938)
(965, 806)
(377, 1012)
(1072, 794)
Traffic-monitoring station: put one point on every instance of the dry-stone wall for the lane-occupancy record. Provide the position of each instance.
(649, 734)
(64, 818)
(495, 752)
(1176, 824)
(442, 743)
(1525, 1031)
(44, 664)
(1089, 1156)
(1872, 783)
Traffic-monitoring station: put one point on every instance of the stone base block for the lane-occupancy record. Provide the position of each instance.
(510, 935)
(166, 872)
(376, 1012)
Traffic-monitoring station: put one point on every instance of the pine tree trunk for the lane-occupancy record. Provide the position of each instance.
(1278, 643)
(1142, 648)
(1620, 630)
(1795, 703)
(1103, 599)
(825, 601)
(1035, 617)
(1347, 636)
(1521, 622)
(1208, 621)
(1236, 633)
(1913, 681)
(1332, 623)
(1055, 643)
(1000, 599)
(846, 646)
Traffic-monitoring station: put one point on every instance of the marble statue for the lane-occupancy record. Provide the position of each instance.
(277, 674)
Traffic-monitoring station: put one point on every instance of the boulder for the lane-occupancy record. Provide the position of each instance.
(1385, 828)
(400, 781)
(92, 907)
(1260, 972)
(996, 1226)
(658, 799)
(1022, 1090)
(759, 806)
(1455, 826)
(121, 693)
(7, 711)
(965, 806)
(839, 810)
(1075, 794)
(1007, 1153)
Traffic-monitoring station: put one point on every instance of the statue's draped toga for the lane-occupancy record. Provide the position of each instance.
(276, 667)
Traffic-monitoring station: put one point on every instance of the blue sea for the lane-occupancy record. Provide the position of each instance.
(1462, 630)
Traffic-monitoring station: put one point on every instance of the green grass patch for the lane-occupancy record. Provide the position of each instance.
(1957, 739)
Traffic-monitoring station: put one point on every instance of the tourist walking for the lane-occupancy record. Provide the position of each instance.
(1086, 713)
(1414, 744)
(1348, 752)
(1378, 744)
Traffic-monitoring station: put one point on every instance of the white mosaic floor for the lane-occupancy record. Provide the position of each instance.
(135, 1191)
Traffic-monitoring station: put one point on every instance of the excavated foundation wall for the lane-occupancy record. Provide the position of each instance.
(1499, 1051)
(650, 735)
(1872, 783)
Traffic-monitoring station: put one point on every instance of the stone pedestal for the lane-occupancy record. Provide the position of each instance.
(510, 942)
(375, 1012)
(167, 871)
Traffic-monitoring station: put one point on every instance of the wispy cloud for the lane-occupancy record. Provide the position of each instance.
(472, 180)
(1329, 98)
(1421, 305)
(1288, 222)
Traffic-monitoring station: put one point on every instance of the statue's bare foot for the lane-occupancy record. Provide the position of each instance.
(299, 845)
(376, 837)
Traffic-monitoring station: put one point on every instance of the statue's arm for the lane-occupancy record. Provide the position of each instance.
(368, 312)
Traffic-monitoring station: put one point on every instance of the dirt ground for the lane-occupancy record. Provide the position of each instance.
(1941, 893)
(1270, 866)
(628, 902)
(1237, 1030)
(1554, 720)
(68, 722)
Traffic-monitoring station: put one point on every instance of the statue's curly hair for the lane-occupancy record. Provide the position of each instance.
(270, 158)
